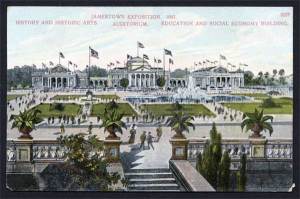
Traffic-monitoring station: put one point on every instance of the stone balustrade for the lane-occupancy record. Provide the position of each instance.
(274, 149)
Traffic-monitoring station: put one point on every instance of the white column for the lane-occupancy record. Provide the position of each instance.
(129, 78)
(140, 80)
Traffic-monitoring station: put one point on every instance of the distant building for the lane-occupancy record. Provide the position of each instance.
(217, 77)
(59, 77)
(139, 73)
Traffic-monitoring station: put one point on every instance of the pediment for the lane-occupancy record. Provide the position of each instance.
(220, 70)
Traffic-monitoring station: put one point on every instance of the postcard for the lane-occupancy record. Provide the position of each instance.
(149, 99)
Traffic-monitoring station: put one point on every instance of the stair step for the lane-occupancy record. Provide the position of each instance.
(149, 175)
(152, 180)
(172, 186)
(156, 170)
(163, 190)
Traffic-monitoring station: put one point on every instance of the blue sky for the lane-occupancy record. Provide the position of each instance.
(263, 48)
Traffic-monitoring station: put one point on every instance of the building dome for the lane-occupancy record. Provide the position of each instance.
(136, 62)
(59, 69)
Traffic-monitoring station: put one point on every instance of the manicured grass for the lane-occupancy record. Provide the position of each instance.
(69, 110)
(73, 97)
(66, 97)
(108, 97)
(257, 96)
(98, 109)
(285, 103)
(168, 109)
(11, 97)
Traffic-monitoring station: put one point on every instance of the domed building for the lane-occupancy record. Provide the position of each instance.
(139, 73)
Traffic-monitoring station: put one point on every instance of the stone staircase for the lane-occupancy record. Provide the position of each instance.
(155, 180)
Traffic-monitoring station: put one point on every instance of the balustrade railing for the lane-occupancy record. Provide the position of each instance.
(273, 149)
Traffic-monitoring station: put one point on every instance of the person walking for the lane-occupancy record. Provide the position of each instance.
(90, 128)
(132, 134)
(62, 128)
(150, 140)
(159, 132)
(143, 138)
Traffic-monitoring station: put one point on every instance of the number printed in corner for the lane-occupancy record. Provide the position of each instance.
(284, 14)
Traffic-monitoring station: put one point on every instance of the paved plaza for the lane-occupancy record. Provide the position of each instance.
(132, 156)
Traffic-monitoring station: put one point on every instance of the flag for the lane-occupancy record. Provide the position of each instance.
(129, 56)
(233, 66)
(229, 64)
(245, 64)
(140, 45)
(75, 65)
(222, 57)
(44, 65)
(94, 53)
(204, 62)
(207, 60)
(154, 60)
(168, 52)
(200, 63)
(51, 63)
(61, 55)
(171, 61)
(70, 62)
(145, 56)
(117, 62)
(158, 61)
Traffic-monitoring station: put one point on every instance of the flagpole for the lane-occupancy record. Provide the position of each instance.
(59, 58)
(89, 67)
(137, 49)
(164, 64)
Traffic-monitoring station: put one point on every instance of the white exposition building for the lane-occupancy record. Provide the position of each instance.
(141, 75)
(217, 77)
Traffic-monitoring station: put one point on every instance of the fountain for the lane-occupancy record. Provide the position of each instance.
(196, 94)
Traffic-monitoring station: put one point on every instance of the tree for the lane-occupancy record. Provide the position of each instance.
(112, 122)
(241, 174)
(25, 122)
(281, 74)
(124, 82)
(274, 72)
(257, 122)
(224, 172)
(179, 123)
(161, 82)
(208, 163)
(248, 76)
(84, 169)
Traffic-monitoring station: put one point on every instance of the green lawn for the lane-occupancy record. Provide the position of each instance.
(66, 97)
(69, 110)
(167, 109)
(257, 96)
(108, 97)
(11, 97)
(98, 109)
(73, 97)
(285, 103)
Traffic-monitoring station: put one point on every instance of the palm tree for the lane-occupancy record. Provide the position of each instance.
(257, 122)
(112, 122)
(179, 123)
(25, 122)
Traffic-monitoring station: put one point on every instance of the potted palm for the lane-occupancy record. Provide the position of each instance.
(112, 122)
(180, 123)
(25, 122)
(257, 122)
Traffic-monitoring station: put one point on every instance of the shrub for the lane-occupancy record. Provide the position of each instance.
(269, 103)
